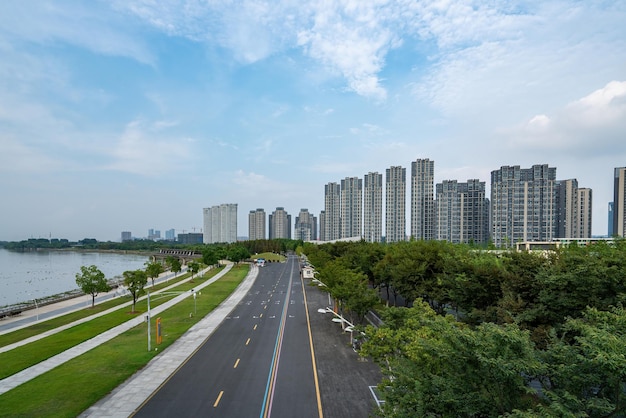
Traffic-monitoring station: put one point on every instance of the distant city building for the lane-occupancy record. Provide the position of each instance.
(220, 223)
(191, 238)
(351, 207)
(573, 210)
(422, 199)
(395, 204)
(585, 196)
(127, 236)
(256, 224)
(567, 220)
(619, 202)
(332, 211)
(322, 234)
(154, 235)
(523, 203)
(610, 229)
(305, 226)
(462, 212)
(373, 207)
(280, 224)
(170, 235)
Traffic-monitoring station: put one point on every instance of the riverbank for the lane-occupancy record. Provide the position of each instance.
(32, 278)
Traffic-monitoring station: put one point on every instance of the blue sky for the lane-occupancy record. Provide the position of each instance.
(136, 114)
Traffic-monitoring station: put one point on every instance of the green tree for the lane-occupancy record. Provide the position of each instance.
(174, 264)
(135, 281)
(153, 270)
(237, 253)
(210, 256)
(193, 267)
(92, 281)
(438, 367)
(587, 365)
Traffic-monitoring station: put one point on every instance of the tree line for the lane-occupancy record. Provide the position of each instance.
(488, 333)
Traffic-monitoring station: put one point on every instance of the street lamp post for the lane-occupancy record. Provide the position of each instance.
(148, 319)
(340, 319)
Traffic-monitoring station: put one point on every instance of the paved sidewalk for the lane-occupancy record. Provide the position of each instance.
(130, 395)
(56, 309)
(47, 365)
(77, 304)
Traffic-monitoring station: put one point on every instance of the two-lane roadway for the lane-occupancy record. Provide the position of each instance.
(258, 362)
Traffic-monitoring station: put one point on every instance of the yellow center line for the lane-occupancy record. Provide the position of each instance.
(236, 364)
(315, 378)
(248, 342)
(255, 325)
(217, 401)
(265, 307)
(261, 316)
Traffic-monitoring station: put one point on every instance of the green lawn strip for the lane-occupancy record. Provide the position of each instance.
(69, 389)
(35, 352)
(270, 257)
(43, 326)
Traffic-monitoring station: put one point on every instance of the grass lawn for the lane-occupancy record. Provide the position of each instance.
(69, 389)
(30, 354)
(270, 257)
(44, 326)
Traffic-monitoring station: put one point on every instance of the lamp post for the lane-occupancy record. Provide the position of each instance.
(148, 319)
(320, 284)
(166, 294)
(340, 319)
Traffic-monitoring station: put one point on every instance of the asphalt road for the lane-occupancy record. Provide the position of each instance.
(258, 362)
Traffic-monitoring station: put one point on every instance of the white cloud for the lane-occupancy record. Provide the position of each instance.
(17, 157)
(137, 151)
(592, 125)
(87, 26)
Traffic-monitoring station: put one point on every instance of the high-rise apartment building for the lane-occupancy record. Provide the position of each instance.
(305, 226)
(395, 204)
(619, 202)
(610, 228)
(127, 236)
(322, 234)
(584, 212)
(220, 223)
(422, 199)
(523, 204)
(256, 224)
(351, 207)
(462, 212)
(573, 210)
(280, 224)
(373, 207)
(567, 220)
(170, 235)
(332, 211)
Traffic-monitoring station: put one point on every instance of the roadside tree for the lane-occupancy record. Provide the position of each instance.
(135, 281)
(173, 264)
(438, 367)
(92, 281)
(153, 270)
(193, 267)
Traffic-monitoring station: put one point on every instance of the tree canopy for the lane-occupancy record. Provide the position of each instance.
(135, 281)
(92, 281)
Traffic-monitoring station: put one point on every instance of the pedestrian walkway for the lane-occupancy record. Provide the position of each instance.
(56, 309)
(75, 305)
(47, 365)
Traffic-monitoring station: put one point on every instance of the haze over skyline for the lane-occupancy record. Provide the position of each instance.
(128, 115)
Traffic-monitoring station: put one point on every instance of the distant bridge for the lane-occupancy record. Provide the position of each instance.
(184, 255)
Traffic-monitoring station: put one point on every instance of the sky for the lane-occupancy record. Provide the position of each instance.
(126, 115)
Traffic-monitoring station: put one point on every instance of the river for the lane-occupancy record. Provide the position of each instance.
(25, 276)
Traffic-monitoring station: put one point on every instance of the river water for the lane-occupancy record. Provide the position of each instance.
(25, 276)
